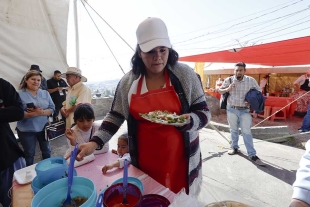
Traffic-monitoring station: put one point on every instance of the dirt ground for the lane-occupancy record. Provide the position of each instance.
(293, 124)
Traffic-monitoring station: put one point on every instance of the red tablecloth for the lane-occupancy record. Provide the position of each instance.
(22, 194)
(215, 94)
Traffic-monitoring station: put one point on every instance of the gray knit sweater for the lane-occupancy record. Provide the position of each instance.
(189, 89)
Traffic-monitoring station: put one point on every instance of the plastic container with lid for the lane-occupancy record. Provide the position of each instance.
(50, 163)
(49, 176)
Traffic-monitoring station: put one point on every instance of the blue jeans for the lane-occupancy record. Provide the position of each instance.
(28, 141)
(6, 177)
(306, 122)
(243, 119)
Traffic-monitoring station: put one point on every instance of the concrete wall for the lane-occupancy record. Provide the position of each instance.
(101, 106)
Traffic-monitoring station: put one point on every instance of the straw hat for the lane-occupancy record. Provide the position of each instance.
(74, 71)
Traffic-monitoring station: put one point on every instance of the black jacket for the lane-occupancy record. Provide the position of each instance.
(12, 111)
(256, 100)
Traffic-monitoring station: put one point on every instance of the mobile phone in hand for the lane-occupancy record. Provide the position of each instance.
(30, 105)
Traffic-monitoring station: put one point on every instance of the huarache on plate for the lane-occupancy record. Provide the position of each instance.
(166, 118)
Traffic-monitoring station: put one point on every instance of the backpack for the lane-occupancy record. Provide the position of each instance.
(224, 97)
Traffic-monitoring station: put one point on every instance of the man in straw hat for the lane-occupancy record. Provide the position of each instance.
(77, 93)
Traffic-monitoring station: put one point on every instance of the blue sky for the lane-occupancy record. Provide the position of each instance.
(196, 26)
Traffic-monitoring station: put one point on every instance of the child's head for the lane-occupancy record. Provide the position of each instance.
(122, 144)
(84, 117)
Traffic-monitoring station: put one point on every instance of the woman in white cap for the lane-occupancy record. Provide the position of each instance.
(171, 155)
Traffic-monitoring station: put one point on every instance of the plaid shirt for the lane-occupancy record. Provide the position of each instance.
(237, 94)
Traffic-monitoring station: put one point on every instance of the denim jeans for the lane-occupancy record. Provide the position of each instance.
(306, 122)
(28, 141)
(243, 119)
(6, 177)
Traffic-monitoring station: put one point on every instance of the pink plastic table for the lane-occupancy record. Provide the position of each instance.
(22, 194)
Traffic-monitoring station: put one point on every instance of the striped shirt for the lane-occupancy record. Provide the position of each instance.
(237, 94)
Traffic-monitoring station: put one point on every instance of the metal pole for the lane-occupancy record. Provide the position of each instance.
(77, 45)
(213, 127)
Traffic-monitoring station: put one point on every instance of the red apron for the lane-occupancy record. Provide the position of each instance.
(161, 152)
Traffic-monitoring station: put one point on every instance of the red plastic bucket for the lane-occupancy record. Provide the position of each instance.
(113, 196)
(154, 200)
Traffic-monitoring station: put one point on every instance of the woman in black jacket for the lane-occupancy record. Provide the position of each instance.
(11, 156)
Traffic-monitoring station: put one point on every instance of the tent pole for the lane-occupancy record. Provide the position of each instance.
(77, 45)
(268, 83)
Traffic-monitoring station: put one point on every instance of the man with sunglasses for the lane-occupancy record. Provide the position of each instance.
(238, 110)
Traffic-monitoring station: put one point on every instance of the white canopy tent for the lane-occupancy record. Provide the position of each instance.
(32, 32)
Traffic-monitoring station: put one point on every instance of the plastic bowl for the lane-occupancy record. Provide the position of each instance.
(56, 192)
(50, 163)
(115, 193)
(49, 176)
(132, 180)
(154, 200)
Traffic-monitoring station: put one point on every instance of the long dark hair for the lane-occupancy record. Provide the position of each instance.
(138, 66)
(83, 111)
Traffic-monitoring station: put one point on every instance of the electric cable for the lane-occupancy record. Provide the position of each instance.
(103, 37)
(109, 25)
(247, 28)
(234, 19)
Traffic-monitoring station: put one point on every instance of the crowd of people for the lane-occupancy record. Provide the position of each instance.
(171, 155)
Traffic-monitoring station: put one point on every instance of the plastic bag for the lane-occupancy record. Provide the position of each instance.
(86, 160)
(183, 200)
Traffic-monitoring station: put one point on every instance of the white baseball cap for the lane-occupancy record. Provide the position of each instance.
(152, 33)
(74, 71)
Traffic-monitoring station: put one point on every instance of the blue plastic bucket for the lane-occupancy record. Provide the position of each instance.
(49, 176)
(50, 163)
(56, 192)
